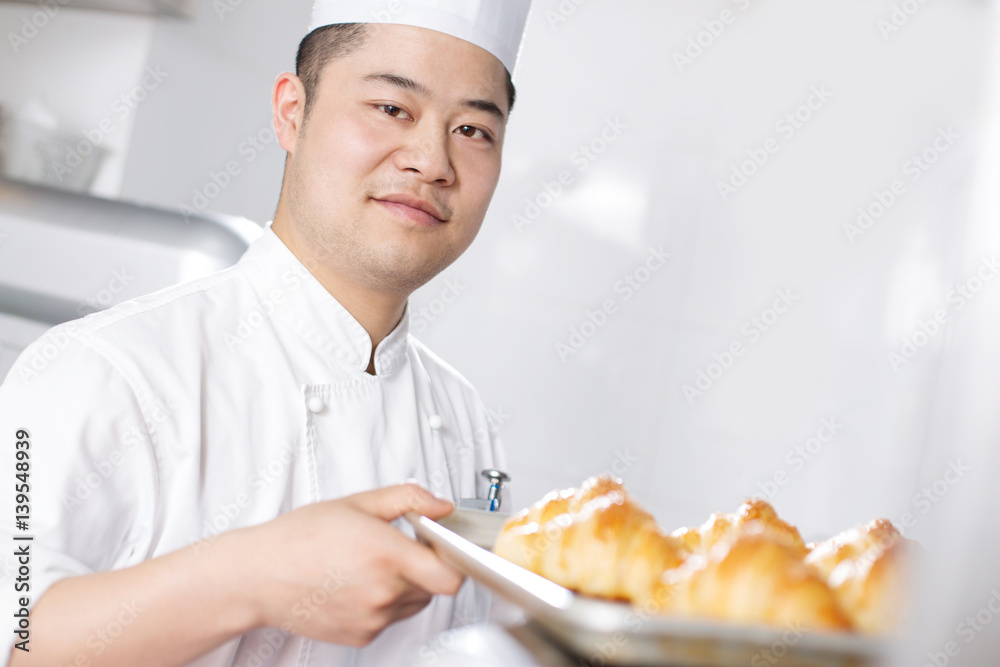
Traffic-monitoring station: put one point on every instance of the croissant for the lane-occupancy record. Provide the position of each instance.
(867, 569)
(595, 540)
(745, 566)
(720, 527)
(753, 576)
(522, 538)
(825, 556)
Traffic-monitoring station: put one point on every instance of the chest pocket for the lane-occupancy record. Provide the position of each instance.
(385, 430)
(453, 467)
(363, 434)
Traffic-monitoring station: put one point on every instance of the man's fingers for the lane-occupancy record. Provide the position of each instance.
(417, 564)
(409, 608)
(394, 501)
(421, 567)
(410, 601)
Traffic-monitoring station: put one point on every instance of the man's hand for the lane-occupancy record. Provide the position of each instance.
(337, 571)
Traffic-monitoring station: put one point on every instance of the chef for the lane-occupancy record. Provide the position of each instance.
(214, 474)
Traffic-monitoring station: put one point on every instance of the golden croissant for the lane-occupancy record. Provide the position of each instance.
(747, 566)
(595, 540)
(755, 578)
(867, 568)
(720, 527)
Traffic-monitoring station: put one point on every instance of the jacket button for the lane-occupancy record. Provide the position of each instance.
(315, 404)
(434, 422)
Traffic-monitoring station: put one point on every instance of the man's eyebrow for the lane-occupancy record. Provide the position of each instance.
(406, 83)
(487, 106)
(398, 81)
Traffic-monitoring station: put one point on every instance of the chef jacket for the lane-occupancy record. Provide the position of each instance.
(221, 403)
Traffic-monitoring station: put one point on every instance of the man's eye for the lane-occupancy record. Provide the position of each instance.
(393, 111)
(471, 131)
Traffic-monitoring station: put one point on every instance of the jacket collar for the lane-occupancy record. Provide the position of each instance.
(289, 292)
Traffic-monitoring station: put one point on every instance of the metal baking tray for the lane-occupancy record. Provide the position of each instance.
(616, 633)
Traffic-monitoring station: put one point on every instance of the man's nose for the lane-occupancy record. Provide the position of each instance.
(427, 153)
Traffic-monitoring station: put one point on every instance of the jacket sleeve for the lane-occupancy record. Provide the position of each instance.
(88, 465)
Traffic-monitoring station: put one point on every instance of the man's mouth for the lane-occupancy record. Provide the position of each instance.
(412, 208)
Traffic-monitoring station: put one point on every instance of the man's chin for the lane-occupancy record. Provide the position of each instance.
(404, 273)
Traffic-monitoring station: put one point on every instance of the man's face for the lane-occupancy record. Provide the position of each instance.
(392, 173)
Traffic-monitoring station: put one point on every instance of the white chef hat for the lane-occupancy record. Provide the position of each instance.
(495, 25)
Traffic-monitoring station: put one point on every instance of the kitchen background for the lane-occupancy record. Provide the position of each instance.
(738, 247)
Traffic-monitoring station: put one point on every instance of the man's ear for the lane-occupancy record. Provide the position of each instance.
(288, 106)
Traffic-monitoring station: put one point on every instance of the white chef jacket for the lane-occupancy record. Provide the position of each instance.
(223, 403)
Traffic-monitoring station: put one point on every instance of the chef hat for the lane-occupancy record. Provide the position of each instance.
(495, 25)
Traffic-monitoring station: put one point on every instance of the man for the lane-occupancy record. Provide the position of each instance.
(208, 473)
